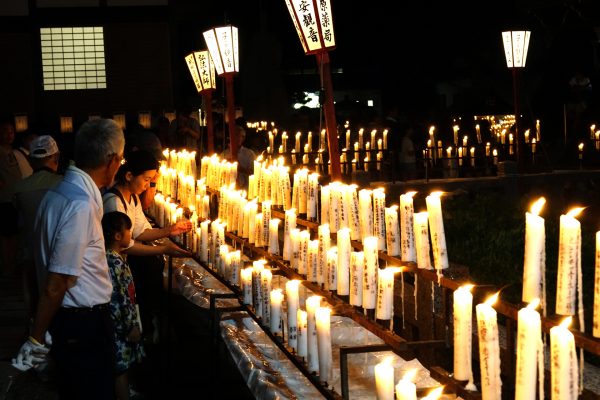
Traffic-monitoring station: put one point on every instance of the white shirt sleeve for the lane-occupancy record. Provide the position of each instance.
(113, 203)
(141, 222)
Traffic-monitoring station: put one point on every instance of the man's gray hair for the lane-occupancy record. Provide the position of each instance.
(96, 142)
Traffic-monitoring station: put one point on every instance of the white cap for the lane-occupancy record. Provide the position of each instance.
(43, 146)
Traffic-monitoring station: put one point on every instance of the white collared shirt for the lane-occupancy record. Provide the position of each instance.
(68, 238)
(134, 210)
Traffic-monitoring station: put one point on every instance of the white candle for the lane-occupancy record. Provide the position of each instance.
(463, 309)
(535, 253)
(489, 350)
(312, 303)
(344, 248)
(569, 262)
(392, 231)
(274, 236)
(276, 300)
(384, 379)
(295, 247)
(257, 294)
(235, 264)
(291, 291)
(247, 285)
(303, 252)
(356, 278)
(406, 389)
(324, 244)
(266, 277)
(596, 320)
(436, 225)
(325, 194)
(204, 241)
(354, 219)
(313, 189)
(290, 223)
(379, 217)
(323, 321)
(435, 394)
(407, 211)
(385, 293)
(370, 276)
(563, 362)
(421, 231)
(312, 260)
(529, 333)
(366, 213)
(334, 206)
(302, 332)
(332, 259)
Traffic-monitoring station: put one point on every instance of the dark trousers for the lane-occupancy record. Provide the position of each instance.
(83, 350)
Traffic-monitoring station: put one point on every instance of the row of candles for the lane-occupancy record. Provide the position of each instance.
(569, 254)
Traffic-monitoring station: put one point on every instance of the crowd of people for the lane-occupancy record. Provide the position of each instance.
(75, 230)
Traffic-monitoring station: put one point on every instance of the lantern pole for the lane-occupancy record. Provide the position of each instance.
(233, 143)
(330, 121)
(207, 95)
(519, 145)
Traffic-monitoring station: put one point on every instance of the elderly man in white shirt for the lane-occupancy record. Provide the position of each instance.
(70, 244)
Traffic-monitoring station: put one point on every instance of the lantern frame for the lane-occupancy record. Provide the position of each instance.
(313, 21)
(223, 46)
(516, 46)
(202, 70)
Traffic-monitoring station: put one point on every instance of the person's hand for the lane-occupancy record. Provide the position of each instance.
(134, 335)
(180, 227)
(31, 355)
(172, 249)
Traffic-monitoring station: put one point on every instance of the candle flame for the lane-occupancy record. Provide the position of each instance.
(434, 394)
(437, 194)
(387, 361)
(394, 207)
(574, 212)
(410, 375)
(536, 208)
(492, 299)
(394, 270)
(467, 287)
(566, 322)
(410, 194)
(580, 146)
(534, 304)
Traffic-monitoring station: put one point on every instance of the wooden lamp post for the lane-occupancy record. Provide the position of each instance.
(202, 70)
(314, 24)
(222, 44)
(516, 44)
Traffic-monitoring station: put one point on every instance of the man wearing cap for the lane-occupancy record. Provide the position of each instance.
(28, 194)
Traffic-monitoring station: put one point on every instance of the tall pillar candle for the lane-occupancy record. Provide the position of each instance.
(354, 224)
(356, 278)
(529, 337)
(266, 212)
(266, 276)
(258, 230)
(535, 253)
(406, 389)
(379, 217)
(303, 252)
(257, 298)
(370, 277)
(365, 206)
(569, 262)
(334, 206)
(292, 297)
(204, 241)
(302, 333)
(302, 191)
(385, 293)
(332, 260)
(421, 231)
(408, 252)
(323, 322)
(252, 210)
(313, 191)
(295, 248)
(274, 236)
(463, 310)
(392, 231)
(286, 188)
(325, 195)
(312, 303)
(276, 301)
(344, 249)
(246, 274)
(236, 260)
(324, 237)
(312, 260)
(289, 224)
(344, 206)
(563, 361)
(436, 226)
(489, 350)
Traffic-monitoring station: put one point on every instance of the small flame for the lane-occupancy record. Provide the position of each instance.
(574, 212)
(580, 146)
(467, 287)
(437, 194)
(410, 375)
(566, 322)
(394, 270)
(431, 129)
(536, 208)
(387, 361)
(410, 194)
(492, 299)
(534, 304)
(434, 394)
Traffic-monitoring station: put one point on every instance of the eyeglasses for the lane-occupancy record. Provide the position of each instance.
(120, 157)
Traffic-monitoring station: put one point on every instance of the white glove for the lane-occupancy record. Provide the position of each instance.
(31, 355)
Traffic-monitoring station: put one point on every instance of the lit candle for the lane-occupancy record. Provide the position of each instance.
(297, 146)
(379, 217)
(385, 293)
(421, 231)
(385, 140)
(366, 213)
(537, 130)
(406, 389)
(392, 231)
(360, 139)
(331, 281)
(247, 285)
(312, 260)
(373, 133)
(344, 248)
(266, 277)
(204, 240)
(295, 247)
(495, 155)
(436, 224)
(463, 309)
(323, 318)
(370, 276)
(303, 252)
(407, 244)
(313, 190)
(563, 361)
(348, 138)
(535, 253)
(478, 133)
(302, 339)
(569, 262)
(489, 350)
(324, 237)
(435, 394)
(312, 303)
(291, 291)
(351, 199)
(529, 338)
(488, 149)
(465, 141)
(384, 379)
(596, 319)
(274, 236)
(325, 195)
(276, 300)
(356, 278)
(257, 294)
(455, 129)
